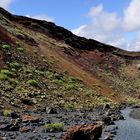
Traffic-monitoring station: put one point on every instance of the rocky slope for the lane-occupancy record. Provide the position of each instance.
(44, 67)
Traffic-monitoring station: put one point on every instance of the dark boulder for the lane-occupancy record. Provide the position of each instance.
(107, 120)
(50, 110)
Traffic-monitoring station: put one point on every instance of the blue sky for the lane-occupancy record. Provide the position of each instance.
(115, 22)
(70, 14)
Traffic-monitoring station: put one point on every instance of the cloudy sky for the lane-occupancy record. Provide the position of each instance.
(116, 22)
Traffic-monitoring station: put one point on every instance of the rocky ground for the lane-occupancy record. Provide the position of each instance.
(51, 124)
(48, 77)
(135, 113)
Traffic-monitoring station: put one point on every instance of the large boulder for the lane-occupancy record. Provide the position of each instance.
(84, 132)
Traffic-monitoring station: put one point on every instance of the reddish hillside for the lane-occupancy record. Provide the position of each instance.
(73, 70)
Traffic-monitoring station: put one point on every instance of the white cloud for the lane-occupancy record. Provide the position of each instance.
(43, 17)
(109, 28)
(131, 16)
(95, 10)
(5, 3)
(135, 45)
(122, 43)
(104, 26)
(80, 30)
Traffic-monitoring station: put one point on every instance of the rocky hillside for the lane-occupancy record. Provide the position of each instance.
(51, 79)
(42, 64)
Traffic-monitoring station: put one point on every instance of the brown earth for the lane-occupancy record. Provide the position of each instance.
(101, 67)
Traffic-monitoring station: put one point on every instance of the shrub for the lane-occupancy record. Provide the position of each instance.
(6, 72)
(32, 82)
(6, 47)
(73, 79)
(20, 49)
(70, 86)
(49, 74)
(13, 81)
(58, 76)
(69, 106)
(39, 73)
(55, 126)
(7, 112)
(3, 77)
(18, 43)
(89, 93)
(57, 82)
(13, 70)
(15, 65)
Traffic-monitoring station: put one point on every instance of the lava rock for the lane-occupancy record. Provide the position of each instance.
(107, 120)
(27, 101)
(13, 126)
(84, 132)
(14, 115)
(24, 129)
(28, 118)
(51, 111)
(106, 106)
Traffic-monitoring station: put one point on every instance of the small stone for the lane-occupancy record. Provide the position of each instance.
(13, 126)
(51, 111)
(27, 101)
(3, 138)
(15, 104)
(121, 117)
(24, 129)
(14, 115)
(107, 120)
(4, 127)
(28, 118)
(106, 106)
(109, 137)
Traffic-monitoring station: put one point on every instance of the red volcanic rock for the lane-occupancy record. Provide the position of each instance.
(27, 118)
(84, 132)
(24, 129)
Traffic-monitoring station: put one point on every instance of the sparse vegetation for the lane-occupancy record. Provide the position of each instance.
(32, 82)
(55, 126)
(20, 49)
(6, 72)
(3, 77)
(7, 112)
(69, 106)
(89, 93)
(13, 81)
(39, 73)
(70, 86)
(15, 65)
(6, 47)
(57, 81)
(28, 71)
(50, 77)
